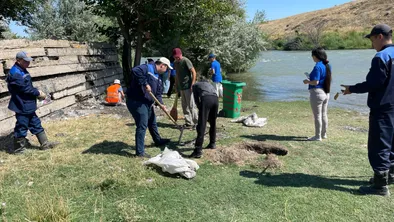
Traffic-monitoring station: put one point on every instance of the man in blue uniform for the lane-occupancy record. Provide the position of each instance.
(216, 73)
(140, 103)
(380, 87)
(24, 103)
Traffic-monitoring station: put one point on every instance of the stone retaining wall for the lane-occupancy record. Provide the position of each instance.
(68, 71)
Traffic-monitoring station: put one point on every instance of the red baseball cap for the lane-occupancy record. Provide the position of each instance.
(176, 52)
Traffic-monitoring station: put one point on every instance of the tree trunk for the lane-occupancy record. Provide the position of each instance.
(138, 46)
(126, 61)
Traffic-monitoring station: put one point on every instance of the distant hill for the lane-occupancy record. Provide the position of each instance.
(359, 15)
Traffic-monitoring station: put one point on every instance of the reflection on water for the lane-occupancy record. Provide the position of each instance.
(278, 76)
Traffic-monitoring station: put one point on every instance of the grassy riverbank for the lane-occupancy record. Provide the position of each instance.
(91, 176)
(329, 40)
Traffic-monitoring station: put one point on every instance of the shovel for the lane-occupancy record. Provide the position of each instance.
(169, 116)
(174, 110)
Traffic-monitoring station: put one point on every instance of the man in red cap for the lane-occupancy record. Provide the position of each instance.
(184, 81)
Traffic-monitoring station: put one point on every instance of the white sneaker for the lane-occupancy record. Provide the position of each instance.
(324, 136)
(314, 138)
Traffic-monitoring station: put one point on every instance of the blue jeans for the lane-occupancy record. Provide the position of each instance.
(144, 117)
(26, 122)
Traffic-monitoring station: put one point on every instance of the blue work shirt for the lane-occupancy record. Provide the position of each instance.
(379, 82)
(23, 94)
(140, 77)
(318, 73)
(217, 76)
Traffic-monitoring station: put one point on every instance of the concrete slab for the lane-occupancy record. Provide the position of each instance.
(7, 125)
(91, 76)
(70, 91)
(5, 112)
(95, 59)
(3, 86)
(67, 51)
(95, 91)
(1, 69)
(24, 43)
(60, 83)
(45, 61)
(11, 53)
(56, 105)
(61, 69)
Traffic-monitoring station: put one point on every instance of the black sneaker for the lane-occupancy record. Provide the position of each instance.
(211, 146)
(372, 190)
(196, 154)
(162, 142)
(144, 155)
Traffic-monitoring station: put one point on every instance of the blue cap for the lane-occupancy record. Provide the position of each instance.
(211, 56)
(23, 55)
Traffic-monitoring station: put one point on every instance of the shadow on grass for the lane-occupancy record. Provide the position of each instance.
(265, 137)
(6, 142)
(303, 180)
(165, 174)
(109, 147)
(130, 124)
(167, 125)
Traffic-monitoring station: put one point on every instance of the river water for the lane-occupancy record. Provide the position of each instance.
(278, 76)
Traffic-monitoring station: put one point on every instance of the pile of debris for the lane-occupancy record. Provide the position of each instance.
(247, 153)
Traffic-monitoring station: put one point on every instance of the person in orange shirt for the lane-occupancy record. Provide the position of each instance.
(115, 94)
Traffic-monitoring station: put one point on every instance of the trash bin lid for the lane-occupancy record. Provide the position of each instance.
(234, 83)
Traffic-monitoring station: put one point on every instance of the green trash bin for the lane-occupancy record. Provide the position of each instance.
(232, 97)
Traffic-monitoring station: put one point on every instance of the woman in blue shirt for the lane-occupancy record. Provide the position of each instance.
(319, 87)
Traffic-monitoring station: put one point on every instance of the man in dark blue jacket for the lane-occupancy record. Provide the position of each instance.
(380, 87)
(23, 103)
(140, 103)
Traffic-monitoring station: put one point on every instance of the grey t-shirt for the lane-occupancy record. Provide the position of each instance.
(204, 88)
(183, 73)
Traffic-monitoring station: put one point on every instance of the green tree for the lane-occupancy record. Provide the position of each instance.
(237, 45)
(168, 23)
(5, 31)
(65, 19)
(19, 10)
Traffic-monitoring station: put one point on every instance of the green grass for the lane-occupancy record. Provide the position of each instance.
(90, 176)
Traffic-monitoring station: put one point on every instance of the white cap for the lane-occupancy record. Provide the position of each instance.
(117, 81)
(164, 60)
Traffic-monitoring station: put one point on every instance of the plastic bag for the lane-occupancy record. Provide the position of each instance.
(172, 162)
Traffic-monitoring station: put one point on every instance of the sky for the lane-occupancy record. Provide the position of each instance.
(274, 9)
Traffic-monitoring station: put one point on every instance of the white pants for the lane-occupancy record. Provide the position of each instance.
(219, 89)
(319, 102)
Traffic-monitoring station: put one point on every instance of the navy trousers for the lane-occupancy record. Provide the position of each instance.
(144, 117)
(380, 139)
(26, 122)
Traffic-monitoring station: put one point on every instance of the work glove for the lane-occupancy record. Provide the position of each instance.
(42, 95)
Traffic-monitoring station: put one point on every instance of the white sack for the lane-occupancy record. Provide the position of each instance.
(172, 162)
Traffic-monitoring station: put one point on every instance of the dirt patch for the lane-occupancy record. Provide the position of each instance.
(247, 153)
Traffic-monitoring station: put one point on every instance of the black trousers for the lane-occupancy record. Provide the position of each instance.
(207, 112)
(381, 139)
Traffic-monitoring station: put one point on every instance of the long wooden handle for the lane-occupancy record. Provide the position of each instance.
(176, 101)
(160, 105)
